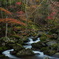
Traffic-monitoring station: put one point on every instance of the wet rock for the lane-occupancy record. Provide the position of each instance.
(35, 38)
(39, 45)
(56, 55)
(36, 45)
(50, 52)
(46, 57)
(51, 43)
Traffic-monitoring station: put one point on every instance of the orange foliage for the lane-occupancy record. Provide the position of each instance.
(11, 20)
(6, 11)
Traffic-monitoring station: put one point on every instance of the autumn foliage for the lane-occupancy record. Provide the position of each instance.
(18, 3)
(6, 11)
(10, 20)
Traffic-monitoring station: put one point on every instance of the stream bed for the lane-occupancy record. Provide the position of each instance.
(39, 55)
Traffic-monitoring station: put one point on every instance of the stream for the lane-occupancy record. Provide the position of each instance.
(39, 55)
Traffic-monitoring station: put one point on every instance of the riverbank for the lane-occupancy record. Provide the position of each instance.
(38, 53)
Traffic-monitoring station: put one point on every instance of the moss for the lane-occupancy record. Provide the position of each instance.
(3, 38)
(43, 38)
(54, 46)
(20, 41)
(3, 48)
(48, 51)
(16, 36)
(25, 52)
(25, 39)
(18, 47)
(37, 45)
(44, 49)
(52, 52)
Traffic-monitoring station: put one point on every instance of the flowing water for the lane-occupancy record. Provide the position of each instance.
(39, 55)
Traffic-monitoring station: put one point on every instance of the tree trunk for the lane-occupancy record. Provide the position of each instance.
(6, 33)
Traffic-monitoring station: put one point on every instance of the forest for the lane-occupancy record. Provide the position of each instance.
(29, 29)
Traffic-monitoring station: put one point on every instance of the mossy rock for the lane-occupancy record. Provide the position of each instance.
(44, 49)
(20, 41)
(43, 37)
(38, 45)
(17, 47)
(35, 38)
(25, 52)
(56, 55)
(51, 52)
(51, 43)
(48, 51)
(46, 57)
(25, 39)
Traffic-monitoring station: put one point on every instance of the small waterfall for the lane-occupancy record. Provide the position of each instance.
(38, 52)
(27, 46)
(38, 39)
(31, 41)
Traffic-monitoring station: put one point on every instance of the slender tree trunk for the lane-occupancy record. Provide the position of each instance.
(26, 1)
(6, 33)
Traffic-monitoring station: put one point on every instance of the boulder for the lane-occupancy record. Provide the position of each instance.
(39, 45)
(25, 52)
(51, 52)
(51, 43)
(17, 47)
(56, 55)
(46, 57)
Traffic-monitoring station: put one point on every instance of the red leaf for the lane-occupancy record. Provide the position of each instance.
(18, 3)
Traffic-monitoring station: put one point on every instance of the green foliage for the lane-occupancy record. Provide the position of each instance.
(16, 36)
(4, 38)
(43, 37)
(3, 48)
